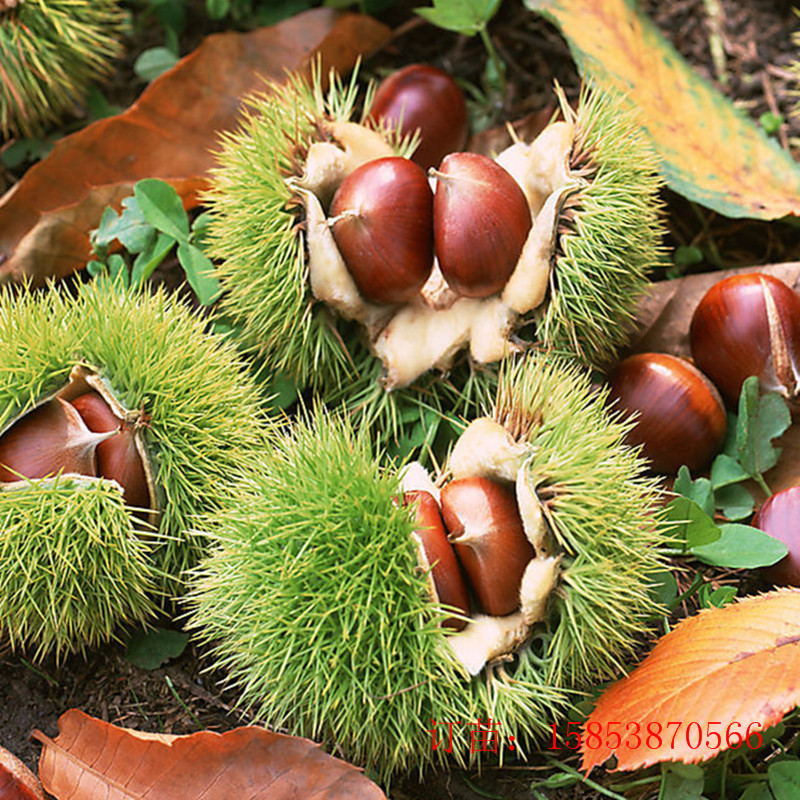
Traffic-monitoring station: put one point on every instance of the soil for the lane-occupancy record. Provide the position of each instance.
(181, 697)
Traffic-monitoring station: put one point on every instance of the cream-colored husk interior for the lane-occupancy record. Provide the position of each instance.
(485, 449)
(82, 379)
(431, 329)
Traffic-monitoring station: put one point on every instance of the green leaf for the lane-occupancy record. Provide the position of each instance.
(715, 598)
(217, 9)
(467, 17)
(130, 228)
(691, 523)
(698, 490)
(687, 256)
(152, 648)
(118, 269)
(761, 419)
(682, 784)
(757, 791)
(148, 260)
(740, 547)
(154, 62)
(98, 106)
(199, 272)
(734, 502)
(162, 208)
(663, 587)
(771, 123)
(725, 471)
(200, 229)
(784, 779)
(281, 390)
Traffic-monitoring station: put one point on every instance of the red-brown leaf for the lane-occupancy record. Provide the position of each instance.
(738, 664)
(17, 782)
(169, 133)
(91, 759)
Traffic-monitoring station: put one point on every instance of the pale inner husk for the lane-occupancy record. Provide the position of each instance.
(83, 379)
(430, 330)
(485, 449)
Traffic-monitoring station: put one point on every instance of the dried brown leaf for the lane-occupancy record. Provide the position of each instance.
(169, 133)
(91, 759)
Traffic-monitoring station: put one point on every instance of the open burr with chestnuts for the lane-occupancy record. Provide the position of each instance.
(515, 575)
(109, 445)
(320, 222)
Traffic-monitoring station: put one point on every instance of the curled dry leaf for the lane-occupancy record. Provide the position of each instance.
(91, 759)
(710, 151)
(169, 133)
(727, 671)
(17, 782)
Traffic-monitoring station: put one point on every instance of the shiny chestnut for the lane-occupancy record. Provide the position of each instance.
(485, 527)
(749, 325)
(117, 456)
(448, 579)
(49, 439)
(425, 99)
(680, 415)
(382, 222)
(481, 220)
(780, 518)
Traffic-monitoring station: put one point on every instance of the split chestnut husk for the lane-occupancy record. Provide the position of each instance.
(588, 239)
(317, 604)
(171, 417)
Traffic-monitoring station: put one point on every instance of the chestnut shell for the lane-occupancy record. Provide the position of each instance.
(681, 418)
(748, 325)
(117, 457)
(424, 98)
(780, 518)
(382, 222)
(481, 220)
(485, 527)
(445, 570)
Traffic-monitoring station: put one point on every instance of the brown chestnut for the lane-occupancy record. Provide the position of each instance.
(427, 99)
(780, 518)
(49, 439)
(117, 456)
(481, 220)
(485, 527)
(681, 418)
(382, 222)
(748, 325)
(451, 590)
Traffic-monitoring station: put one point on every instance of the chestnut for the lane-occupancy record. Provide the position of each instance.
(51, 438)
(382, 221)
(117, 456)
(780, 518)
(448, 580)
(681, 418)
(427, 99)
(481, 220)
(485, 527)
(748, 325)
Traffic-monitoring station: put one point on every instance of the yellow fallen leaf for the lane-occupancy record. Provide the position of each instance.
(711, 153)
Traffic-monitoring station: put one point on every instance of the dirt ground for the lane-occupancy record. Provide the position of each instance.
(180, 697)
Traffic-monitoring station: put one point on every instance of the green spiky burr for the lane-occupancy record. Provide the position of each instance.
(50, 52)
(591, 183)
(75, 562)
(316, 605)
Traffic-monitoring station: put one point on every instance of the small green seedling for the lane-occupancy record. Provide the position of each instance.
(152, 223)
